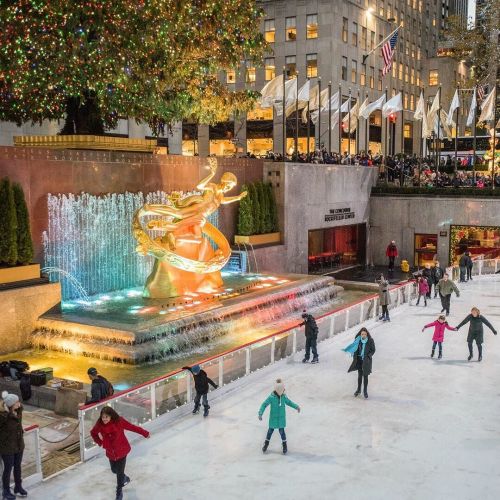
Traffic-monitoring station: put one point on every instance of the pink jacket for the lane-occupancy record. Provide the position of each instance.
(439, 329)
(423, 287)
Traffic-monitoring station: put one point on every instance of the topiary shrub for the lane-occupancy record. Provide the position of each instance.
(8, 224)
(264, 208)
(245, 215)
(24, 241)
(273, 210)
(252, 191)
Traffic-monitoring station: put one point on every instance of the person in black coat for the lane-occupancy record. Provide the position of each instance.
(462, 264)
(311, 332)
(427, 275)
(476, 331)
(201, 381)
(469, 266)
(100, 388)
(437, 273)
(362, 351)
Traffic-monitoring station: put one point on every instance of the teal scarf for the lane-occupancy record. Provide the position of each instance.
(363, 345)
(352, 348)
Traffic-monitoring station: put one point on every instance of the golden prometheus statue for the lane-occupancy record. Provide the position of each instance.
(185, 261)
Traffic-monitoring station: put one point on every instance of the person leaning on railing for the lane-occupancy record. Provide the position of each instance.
(11, 444)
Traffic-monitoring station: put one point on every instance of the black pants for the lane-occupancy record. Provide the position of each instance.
(469, 273)
(445, 302)
(385, 311)
(12, 462)
(479, 347)
(118, 468)
(311, 346)
(440, 347)
(363, 378)
(391, 263)
(199, 396)
(463, 271)
(424, 295)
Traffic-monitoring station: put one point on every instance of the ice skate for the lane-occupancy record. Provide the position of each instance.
(20, 491)
(196, 409)
(266, 445)
(440, 355)
(432, 352)
(126, 481)
(357, 393)
(7, 495)
(480, 358)
(285, 448)
(365, 394)
(205, 411)
(305, 360)
(315, 360)
(470, 357)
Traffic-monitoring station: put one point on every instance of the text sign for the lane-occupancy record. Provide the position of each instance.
(339, 214)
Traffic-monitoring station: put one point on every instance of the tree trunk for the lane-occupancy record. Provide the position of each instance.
(83, 117)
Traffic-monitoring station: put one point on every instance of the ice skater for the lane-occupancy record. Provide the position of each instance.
(311, 333)
(362, 351)
(423, 289)
(384, 297)
(445, 288)
(440, 325)
(109, 432)
(278, 401)
(476, 331)
(201, 381)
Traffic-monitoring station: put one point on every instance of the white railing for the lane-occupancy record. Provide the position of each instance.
(32, 457)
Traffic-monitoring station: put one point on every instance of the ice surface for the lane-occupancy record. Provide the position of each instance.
(430, 429)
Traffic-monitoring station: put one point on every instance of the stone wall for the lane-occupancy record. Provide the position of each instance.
(42, 171)
(20, 309)
(399, 218)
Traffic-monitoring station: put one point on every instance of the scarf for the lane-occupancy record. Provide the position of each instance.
(352, 348)
(363, 345)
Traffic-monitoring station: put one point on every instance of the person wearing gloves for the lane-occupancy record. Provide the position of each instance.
(362, 351)
(440, 325)
(11, 444)
(201, 381)
(384, 297)
(109, 432)
(278, 401)
(476, 331)
(445, 288)
(311, 333)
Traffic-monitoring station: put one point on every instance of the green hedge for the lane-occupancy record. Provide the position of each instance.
(257, 212)
(433, 191)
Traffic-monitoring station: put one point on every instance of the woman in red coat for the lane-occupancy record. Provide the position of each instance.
(108, 432)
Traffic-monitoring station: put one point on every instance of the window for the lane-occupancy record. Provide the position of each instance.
(412, 76)
(419, 54)
(291, 66)
(230, 76)
(419, 79)
(364, 37)
(412, 102)
(291, 29)
(413, 51)
(401, 71)
(372, 77)
(380, 76)
(396, 14)
(372, 40)
(355, 34)
(354, 71)
(407, 131)
(406, 73)
(389, 11)
(344, 68)
(312, 26)
(312, 65)
(362, 77)
(381, 10)
(393, 92)
(394, 69)
(269, 30)
(250, 74)
(433, 77)
(405, 100)
(269, 68)
(345, 29)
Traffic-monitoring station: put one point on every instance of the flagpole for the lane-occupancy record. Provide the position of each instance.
(367, 130)
(297, 119)
(357, 124)
(474, 140)
(493, 146)
(365, 57)
(319, 112)
(386, 147)
(308, 126)
(422, 139)
(438, 142)
(349, 126)
(339, 120)
(402, 131)
(329, 117)
(456, 130)
(284, 115)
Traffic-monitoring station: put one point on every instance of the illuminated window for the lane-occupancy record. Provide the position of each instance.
(419, 79)
(230, 76)
(372, 40)
(291, 66)
(269, 68)
(406, 73)
(433, 77)
(364, 37)
(405, 100)
(250, 75)
(389, 11)
(401, 71)
(312, 65)
(291, 29)
(344, 68)
(312, 26)
(412, 76)
(362, 76)
(269, 30)
(412, 102)
(260, 114)
(345, 28)
(354, 71)
(407, 131)
(372, 77)
(355, 34)
(394, 70)
(381, 10)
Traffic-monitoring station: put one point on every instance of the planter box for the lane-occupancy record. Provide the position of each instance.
(258, 239)
(19, 273)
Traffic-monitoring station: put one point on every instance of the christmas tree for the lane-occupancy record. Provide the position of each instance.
(97, 60)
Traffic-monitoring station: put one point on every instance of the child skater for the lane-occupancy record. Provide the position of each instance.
(423, 289)
(476, 331)
(108, 432)
(277, 415)
(440, 325)
(201, 381)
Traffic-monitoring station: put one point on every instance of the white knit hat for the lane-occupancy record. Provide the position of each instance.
(279, 387)
(9, 399)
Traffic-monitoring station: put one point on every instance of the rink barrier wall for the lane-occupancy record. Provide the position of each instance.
(151, 400)
(31, 465)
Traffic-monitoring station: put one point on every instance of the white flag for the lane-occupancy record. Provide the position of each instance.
(354, 118)
(290, 96)
(420, 113)
(370, 108)
(446, 123)
(363, 107)
(335, 116)
(472, 110)
(305, 91)
(272, 91)
(393, 105)
(488, 108)
(323, 104)
(455, 104)
(433, 112)
(313, 102)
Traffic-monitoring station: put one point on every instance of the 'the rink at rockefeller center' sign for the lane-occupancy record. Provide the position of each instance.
(339, 214)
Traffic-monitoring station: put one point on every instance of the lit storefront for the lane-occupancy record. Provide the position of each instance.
(260, 131)
(221, 138)
(478, 240)
(425, 249)
(189, 139)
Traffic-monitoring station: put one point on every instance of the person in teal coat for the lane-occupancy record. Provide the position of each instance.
(277, 415)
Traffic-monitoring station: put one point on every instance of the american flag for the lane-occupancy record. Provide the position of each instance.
(388, 52)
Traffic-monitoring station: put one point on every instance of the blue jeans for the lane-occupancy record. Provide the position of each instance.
(203, 397)
(311, 346)
(12, 462)
(270, 433)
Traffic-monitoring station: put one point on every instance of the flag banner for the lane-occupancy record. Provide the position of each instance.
(335, 116)
(388, 50)
(370, 108)
(488, 108)
(290, 96)
(354, 118)
(272, 91)
(393, 105)
(420, 111)
(472, 110)
(455, 104)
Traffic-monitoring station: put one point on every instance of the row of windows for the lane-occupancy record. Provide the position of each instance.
(291, 28)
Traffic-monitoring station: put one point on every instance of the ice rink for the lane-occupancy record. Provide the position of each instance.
(429, 430)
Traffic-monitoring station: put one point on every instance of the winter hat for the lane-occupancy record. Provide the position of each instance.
(9, 399)
(92, 371)
(279, 387)
(196, 369)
